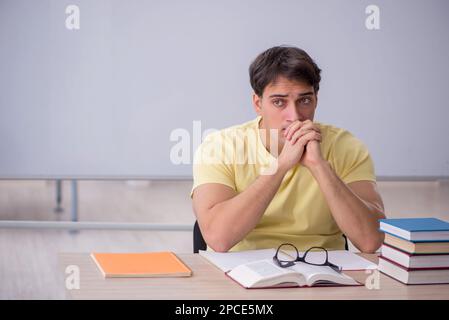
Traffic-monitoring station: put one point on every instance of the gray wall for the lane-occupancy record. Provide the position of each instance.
(102, 101)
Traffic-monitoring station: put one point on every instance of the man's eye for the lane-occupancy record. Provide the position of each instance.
(306, 101)
(278, 103)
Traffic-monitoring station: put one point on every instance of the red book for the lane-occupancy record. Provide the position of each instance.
(415, 261)
(413, 275)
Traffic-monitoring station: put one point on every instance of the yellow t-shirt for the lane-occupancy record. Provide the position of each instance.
(298, 213)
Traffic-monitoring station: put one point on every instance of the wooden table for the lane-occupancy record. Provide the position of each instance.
(208, 282)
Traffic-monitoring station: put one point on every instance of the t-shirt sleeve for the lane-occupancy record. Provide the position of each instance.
(210, 166)
(351, 159)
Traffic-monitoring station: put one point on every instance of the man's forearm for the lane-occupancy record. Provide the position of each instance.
(357, 219)
(233, 219)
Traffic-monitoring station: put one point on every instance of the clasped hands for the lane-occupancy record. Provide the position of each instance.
(301, 145)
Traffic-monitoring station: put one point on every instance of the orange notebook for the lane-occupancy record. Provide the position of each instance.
(135, 265)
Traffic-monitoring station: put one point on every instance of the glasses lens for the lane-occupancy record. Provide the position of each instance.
(316, 257)
(291, 253)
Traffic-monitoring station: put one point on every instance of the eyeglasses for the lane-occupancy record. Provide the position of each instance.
(319, 257)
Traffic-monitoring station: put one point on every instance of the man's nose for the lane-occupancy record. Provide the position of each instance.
(292, 113)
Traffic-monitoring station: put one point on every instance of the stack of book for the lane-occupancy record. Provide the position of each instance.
(415, 251)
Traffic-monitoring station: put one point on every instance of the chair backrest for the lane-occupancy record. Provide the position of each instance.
(346, 243)
(198, 240)
(200, 244)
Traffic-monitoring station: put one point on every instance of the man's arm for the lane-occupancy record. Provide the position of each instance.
(226, 217)
(356, 207)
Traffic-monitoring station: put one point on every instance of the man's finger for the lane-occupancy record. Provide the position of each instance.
(300, 133)
(311, 135)
(292, 128)
(303, 128)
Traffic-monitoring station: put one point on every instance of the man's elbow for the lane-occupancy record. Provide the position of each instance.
(219, 246)
(372, 244)
(368, 249)
(217, 242)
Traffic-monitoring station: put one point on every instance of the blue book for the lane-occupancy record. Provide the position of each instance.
(417, 229)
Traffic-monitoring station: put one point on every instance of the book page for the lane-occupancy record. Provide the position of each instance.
(266, 268)
(227, 261)
(323, 274)
(348, 261)
(264, 273)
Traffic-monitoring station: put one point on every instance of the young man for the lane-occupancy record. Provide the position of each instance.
(311, 183)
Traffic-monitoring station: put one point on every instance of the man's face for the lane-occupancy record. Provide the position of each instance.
(283, 102)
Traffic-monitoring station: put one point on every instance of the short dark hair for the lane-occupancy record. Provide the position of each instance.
(290, 62)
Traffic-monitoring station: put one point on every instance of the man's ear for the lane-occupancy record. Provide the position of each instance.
(257, 104)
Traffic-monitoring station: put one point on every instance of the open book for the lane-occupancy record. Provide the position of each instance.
(226, 261)
(265, 273)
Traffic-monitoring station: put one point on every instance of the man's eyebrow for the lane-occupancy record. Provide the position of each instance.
(277, 95)
(306, 94)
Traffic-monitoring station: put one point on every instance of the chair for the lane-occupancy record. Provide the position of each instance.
(200, 244)
(198, 240)
(346, 243)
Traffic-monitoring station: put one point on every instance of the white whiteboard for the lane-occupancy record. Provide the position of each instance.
(103, 100)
